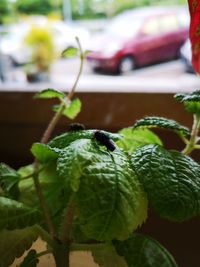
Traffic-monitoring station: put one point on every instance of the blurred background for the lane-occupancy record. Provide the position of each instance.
(140, 56)
(131, 39)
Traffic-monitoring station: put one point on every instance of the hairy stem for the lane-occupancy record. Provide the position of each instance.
(194, 136)
(43, 253)
(43, 202)
(44, 235)
(60, 250)
(51, 126)
(71, 93)
(67, 222)
(31, 175)
(61, 255)
(69, 97)
(86, 247)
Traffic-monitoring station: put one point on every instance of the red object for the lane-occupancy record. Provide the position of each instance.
(194, 8)
(140, 37)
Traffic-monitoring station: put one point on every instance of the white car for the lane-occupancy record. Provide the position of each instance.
(186, 56)
(13, 45)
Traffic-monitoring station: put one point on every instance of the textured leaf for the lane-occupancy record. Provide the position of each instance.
(77, 234)
(106, 256)
(143, 251)
(191, 101)
(9, 179)
(70, 52)
(171, 180)
(109, 200)
(56, 194)
(14, 243)
(194, 7)
(65, 139)
(30, 260)
(15, 215)
(44, 153)
(160, 122)
(50, 93)
(134, 138)
(73, 109)
(28, 195)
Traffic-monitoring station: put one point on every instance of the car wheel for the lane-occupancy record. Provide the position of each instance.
(126, 64)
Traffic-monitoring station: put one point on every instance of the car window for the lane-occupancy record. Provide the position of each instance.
(119, 26)
(183, 19)
(168, 23)
(151, 27)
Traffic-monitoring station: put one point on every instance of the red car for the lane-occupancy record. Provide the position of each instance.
(140, 37)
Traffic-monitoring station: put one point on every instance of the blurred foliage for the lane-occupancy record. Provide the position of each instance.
(80, 9)
(33, 6)
(107, 8)
(4, 10)
(41, 43)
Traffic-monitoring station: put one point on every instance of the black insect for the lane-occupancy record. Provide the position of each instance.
(105, 140)
(76, 127)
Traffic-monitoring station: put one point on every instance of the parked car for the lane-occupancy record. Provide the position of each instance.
(139, 37)
(13, 43)
(186, 56)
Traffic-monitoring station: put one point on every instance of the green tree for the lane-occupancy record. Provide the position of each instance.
(4, 9)
(33, 6)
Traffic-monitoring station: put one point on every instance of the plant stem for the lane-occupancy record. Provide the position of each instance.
(71, 93)
(86, 247)
(67, 222)
(61, 255)
(194, 136)
(51, 126)
(43, 253)
(31, 175)
(44, 235)
(43, 202)
(61, 249)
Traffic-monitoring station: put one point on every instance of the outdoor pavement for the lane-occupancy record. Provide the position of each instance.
(170, 76)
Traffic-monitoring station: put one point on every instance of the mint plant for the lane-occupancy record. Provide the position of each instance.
(89, 190)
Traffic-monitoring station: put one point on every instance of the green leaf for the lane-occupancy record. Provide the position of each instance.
(106, 256)
(77, 234)
(14, 243)
(134, 138)
(109, 199)
(49, 93)
(9, 179)
(150, 122)
(143, 251)
(44, 153)
(16, 215)
(191, 101)
(70, 52)
(73, 109)
(55, 192)
(67, 138)
(28, 195)
(30, 260)
(171, 180)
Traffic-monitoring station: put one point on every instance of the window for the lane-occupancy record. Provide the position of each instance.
(168, 23)
(151, 27)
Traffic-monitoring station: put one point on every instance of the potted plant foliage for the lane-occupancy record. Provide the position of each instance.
(88, 190)
(40, 43)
